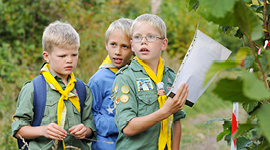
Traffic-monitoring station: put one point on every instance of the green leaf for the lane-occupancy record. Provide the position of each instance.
(218, 66)
(217, 119)
(254, 88)
(264, 121)
(217, 8)
(222, 13)
(242, 54)
(222, 134)
(231, 90)
(243, 142)
(267, 53)
(264, 146)
(192, 4)
(249, 62)
(243, 128)
(248, 107)
(248, 21)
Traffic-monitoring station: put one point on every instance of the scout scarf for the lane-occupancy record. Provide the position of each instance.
(61, 109)
(107, 63)
(165, 130)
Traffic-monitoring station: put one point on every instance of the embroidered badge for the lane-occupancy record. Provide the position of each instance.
(116, 88)
(144, 84)
(169, 80)
(117, 100)
(125, 89)
(169, 88)
(110, 110)
(124, 98)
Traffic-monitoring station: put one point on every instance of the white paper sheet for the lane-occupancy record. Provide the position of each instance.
(202, 52)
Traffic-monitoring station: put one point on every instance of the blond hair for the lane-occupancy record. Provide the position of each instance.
(60, 34)
(124, 24)
(153, 20)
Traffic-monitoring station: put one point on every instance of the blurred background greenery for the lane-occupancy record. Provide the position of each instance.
(22, 24)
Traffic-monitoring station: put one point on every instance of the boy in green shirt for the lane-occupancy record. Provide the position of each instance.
(145, 117)
(61, 119)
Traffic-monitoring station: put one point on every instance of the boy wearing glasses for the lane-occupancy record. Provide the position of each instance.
(145, 117)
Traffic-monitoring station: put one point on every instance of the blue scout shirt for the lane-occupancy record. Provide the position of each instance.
(135, 95)
(103, 109)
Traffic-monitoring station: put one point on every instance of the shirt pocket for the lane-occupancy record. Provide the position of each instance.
(147, 103)
(50, 112)
(75, 117)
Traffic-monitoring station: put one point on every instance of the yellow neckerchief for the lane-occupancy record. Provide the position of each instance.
(107, 63)
(165, 130)
(65, 94)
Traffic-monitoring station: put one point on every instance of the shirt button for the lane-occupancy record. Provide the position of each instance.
(148, 101)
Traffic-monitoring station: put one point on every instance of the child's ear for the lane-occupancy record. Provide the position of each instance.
(164, 44)
(46, 56)
(131, 46)
(106, 45)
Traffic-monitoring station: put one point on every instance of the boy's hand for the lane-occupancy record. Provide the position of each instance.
(177, 103)
(53, 131)
(80, 131)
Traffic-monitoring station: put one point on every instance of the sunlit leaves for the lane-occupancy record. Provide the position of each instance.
(263, 115)
(248, 21)
(253, 87)
(218, 66)
(232, 13)
(217, 8)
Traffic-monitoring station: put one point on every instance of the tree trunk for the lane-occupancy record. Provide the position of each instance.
(155, 5)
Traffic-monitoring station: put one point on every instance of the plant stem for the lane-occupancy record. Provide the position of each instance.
(264, 20)
(258, 62)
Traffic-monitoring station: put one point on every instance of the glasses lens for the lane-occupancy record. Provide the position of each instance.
(151, 38)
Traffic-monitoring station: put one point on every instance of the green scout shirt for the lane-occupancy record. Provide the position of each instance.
(135, 95)
(24, 115)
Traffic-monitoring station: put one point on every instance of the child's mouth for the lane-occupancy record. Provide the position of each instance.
(117, 60)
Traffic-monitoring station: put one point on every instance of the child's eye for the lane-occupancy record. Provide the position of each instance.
(137, 37)
(113, 44)
(125, 47)
(74, 54)
(150, 36)
(62, 56)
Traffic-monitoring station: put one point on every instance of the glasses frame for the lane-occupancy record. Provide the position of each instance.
(156, 37)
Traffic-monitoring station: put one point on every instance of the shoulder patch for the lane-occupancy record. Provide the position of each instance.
(121, 70)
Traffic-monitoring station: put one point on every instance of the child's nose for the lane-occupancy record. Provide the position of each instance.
(118, 51)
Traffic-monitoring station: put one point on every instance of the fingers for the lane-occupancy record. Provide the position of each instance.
(78, 131)
(53, 131)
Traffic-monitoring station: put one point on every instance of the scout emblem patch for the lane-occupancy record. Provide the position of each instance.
(124, 98)
(116, 88)
(144, 84)
(125, 89)
(117, 100)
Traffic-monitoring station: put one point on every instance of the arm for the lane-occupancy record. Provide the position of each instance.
(171, 106)
(51, 131)
(177, 130)
(104, 123)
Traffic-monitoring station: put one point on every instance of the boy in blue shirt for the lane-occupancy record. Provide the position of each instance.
(145, 117)
(62, 120)
(117, 42)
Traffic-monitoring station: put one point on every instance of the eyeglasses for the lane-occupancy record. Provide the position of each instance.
(149, 38)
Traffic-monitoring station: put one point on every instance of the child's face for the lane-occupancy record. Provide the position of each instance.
(62, 61)
(119, 48)
(144, 50)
